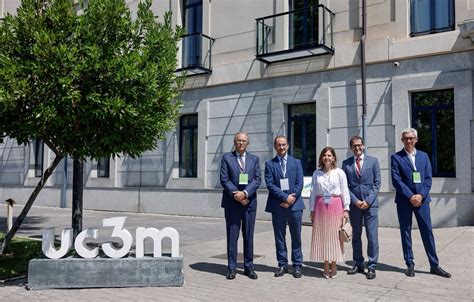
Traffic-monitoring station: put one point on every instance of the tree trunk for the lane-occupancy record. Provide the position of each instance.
(77, 189)
(30, 201)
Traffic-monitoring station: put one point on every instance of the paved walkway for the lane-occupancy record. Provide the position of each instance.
(203, 246)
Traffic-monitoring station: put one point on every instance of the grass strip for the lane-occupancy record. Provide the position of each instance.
(15, 259)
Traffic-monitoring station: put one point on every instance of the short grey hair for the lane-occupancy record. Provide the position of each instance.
(242, 133)
(410, 130)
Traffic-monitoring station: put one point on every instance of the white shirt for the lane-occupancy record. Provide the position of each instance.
(411, 156)
(242, 158)
(334, 183)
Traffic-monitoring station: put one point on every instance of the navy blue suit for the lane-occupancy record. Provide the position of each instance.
(364, 188)
(282, 216)
(237, 214)
(402, 179)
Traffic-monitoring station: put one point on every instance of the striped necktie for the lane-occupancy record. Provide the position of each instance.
(358, 166)
(241, 163)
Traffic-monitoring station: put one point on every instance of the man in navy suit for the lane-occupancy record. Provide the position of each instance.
(284, 179)
(363, 178)
(411, 177)
(240, 178)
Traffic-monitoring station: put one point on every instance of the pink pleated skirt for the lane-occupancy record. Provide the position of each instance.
(327, 220)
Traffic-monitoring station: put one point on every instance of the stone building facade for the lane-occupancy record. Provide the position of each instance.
(292, 67)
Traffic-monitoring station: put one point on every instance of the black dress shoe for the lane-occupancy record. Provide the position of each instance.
(250, 273)
(281, 271)
(355, 269)
(410, 272)
(297, 272)
(371, 274)
(440, 272)
(231, 274)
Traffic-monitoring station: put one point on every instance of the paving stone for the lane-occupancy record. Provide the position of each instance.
(205, 275)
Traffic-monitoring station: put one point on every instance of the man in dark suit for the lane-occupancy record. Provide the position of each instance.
(284, 179)
(240, 178)
(363, 178)
(411, 177)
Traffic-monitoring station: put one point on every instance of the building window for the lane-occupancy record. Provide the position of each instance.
(188, 138)
(433, 118)
(431, 16)
(302, 135)
(192, 21)
(103, 167)
(304, 23)
(38, 153)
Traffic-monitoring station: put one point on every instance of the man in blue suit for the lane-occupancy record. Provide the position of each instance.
(412, 177)
(240, 178)
(284, 179)
(363, 178)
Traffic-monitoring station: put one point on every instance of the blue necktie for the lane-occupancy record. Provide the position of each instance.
(283, 166)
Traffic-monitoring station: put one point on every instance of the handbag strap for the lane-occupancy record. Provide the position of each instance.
(346, 220)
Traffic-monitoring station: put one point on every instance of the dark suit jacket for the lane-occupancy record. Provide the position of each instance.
(273, 174)
(402, 176)
(367, 186)
(229, 177)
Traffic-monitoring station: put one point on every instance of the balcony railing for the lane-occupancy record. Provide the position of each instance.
(196, 54)
(295, 34)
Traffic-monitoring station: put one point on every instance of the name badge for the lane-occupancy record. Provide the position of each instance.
(327, 198)
(284, 185)
(416, 177)
(243, 179)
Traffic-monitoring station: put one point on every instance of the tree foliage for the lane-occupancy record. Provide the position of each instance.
(87, 80)
(91, 84)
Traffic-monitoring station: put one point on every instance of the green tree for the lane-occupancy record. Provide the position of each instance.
(87, 79)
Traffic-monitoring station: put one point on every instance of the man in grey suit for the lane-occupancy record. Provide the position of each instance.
(363, 178)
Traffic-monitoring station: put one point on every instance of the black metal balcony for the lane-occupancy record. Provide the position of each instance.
(196, 49)
(295, 34)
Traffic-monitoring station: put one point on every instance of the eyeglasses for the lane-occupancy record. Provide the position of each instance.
(409, 138)
(357, 146)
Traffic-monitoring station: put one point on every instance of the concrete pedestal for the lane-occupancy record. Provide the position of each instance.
(105, 272)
